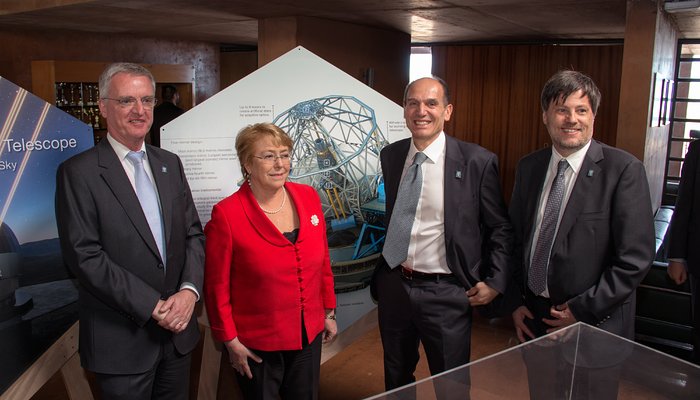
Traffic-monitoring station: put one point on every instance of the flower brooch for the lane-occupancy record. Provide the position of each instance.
(314, 220)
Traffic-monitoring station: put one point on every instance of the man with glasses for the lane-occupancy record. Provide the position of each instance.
(130, 233)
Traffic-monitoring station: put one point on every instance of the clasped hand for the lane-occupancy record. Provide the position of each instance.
(562, 317)
(175, 313)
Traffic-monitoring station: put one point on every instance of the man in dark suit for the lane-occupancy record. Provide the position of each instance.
(601, 237)
(139, 269)
(165, 112)
(684, 239)
(458, 247)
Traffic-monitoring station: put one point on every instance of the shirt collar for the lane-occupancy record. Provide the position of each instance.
(575, 160)
(433, 151)
(122, 150)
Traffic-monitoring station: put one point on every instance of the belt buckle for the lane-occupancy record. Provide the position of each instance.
(406, 273)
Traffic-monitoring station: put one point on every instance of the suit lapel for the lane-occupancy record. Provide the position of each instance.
(393, 164)
(455, 179)
(115, 177)
(534, 182)
(297, 197)
(584, 187)
(265, 228)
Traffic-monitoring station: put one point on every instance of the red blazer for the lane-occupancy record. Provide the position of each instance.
(256, 282)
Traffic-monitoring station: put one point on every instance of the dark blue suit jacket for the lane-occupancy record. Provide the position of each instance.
(478, 235)
(605, 242)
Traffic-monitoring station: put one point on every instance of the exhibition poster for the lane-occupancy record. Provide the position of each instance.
(37, 296)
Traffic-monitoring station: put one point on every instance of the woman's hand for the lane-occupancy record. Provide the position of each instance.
(330, 329)
(238, 356)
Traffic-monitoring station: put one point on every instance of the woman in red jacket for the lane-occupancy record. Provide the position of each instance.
(268, 281)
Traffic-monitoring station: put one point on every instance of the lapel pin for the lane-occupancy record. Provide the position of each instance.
(458, 174)
(164, 169)
(590, 173)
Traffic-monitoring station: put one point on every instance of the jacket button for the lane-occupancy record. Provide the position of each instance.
(161, 266)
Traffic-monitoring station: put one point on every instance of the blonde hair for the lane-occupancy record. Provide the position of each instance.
(248, 136)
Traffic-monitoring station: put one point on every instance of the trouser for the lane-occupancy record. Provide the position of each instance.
(552, 371)
(434, 313)
(289, 374)
(169, 379)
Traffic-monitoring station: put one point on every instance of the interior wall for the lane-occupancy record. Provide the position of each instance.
(649, 59)
(378, 57)
(21, 47)
(496, 94)
(236, 65)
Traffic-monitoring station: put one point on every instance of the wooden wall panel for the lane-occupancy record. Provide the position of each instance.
(20, 48)
(378, 57)
(495, 90)
(650, 54)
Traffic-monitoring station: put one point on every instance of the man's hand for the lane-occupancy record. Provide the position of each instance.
(238, 356)
(177, 310)
(521, 329)
(481, 294)
(677, 271)
(156, 314)
(562, 318)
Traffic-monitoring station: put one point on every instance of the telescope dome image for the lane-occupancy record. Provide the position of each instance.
(336, 150)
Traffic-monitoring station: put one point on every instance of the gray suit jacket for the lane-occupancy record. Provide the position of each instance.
(107, 244)
(605, 242)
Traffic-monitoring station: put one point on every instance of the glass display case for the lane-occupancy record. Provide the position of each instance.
(579, 362)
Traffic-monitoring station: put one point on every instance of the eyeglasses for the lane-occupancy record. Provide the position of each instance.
(129, 102)
(272, 158)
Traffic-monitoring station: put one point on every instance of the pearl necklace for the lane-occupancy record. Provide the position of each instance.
(284, 201)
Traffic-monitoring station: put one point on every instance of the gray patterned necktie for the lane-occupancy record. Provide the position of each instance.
(148, 197)
(537, 280)
(398, 233)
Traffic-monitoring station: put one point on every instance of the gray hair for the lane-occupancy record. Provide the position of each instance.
(126, 68)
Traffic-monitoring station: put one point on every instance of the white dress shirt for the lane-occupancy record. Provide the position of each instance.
(426, 249)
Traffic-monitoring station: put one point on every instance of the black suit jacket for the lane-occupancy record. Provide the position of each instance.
(478, 235)
(684, 239)
(107, 244)
(162, 114)
(605, 242)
